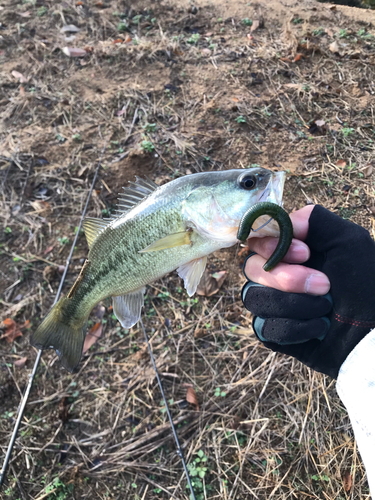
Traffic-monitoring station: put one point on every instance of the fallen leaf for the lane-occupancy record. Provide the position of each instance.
(298, 57)
(19, 76)
(341, 164)
(25, 14)
(48, 250)
(334, 47)
(210, 283)
(250, 37)
(64, 410)
(22, 91)
(191, 397)
(235, 99)
(118, 40)
(99, 311)
(99, 4)
(93, 336)
(20, 363)
(255, 25)
(74, 52)
(347, 481)
(12, 330)
(285, 59)
(206, 52)
(128, 39)
(367, 171)
(78, 4)
(72, 28)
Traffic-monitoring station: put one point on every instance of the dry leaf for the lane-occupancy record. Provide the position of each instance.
(128, 39)
(20, 363)
(70, 28)
(206, 52)
(64, 410)
(25, 14)
(12, 330)
(341, 164)
(250, 37)
(191, 397)
(210, 283)
(347, 481)
(74, 52)
(255, 25)
(334, 47)
(93, 336)
(19, 76)
(118, 40)
(285, 59)
(298, 57)
(367, 171)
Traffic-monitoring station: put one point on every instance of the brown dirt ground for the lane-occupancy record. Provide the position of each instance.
(220, 96)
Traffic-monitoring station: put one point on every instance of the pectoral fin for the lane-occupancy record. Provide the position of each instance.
(191, 273)
(170, 241)
(128, 308)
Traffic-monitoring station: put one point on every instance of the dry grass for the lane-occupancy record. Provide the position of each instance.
(171, 103)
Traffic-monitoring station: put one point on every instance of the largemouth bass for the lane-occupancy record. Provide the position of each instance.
(157, 229)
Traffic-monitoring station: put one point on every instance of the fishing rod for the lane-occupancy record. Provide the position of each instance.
(39, 355)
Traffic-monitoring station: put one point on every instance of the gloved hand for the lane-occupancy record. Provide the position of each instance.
(320, 330)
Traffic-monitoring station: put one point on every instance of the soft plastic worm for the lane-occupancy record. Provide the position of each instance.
(285, 226)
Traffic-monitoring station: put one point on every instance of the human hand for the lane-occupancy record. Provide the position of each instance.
(292, 314)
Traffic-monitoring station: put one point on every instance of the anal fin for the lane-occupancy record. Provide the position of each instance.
(191, 273)
(128, 308)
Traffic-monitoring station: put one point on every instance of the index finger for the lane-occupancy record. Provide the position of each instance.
(300, 221)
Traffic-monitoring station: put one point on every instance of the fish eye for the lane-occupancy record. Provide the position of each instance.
(247, 181)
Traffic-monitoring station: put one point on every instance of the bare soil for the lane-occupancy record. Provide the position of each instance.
(168, 89)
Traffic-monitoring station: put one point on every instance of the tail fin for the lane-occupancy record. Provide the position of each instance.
(56, 333)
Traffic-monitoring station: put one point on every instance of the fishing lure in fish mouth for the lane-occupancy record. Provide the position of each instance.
(285, 226)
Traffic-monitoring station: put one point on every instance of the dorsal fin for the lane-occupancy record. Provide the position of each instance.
(93, 227)
(132, 195)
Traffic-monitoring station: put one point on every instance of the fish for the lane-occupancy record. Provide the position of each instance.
(154, 231)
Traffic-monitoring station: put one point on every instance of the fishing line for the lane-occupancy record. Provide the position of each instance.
(39, 355)
(262, 226)
(179, 450)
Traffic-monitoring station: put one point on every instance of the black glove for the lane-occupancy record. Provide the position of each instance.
(321, 331)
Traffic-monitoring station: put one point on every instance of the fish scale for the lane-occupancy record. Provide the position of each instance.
(171, 227)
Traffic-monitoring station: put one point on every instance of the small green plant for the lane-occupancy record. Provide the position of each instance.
(362, 33)
(322, 477)
(150, 127)
(220, 393)
(198, 470)
(7, 230)
(247, 22)
(194, 39)
(42, 11)
(58, 490)
(60, 138)
(137, 19)
(240, 119)
(63, 241)
(121, 27)
(347, 131)
(147, 146)
(343, 33)
(319, 32)
(297, 20)
(77, 137)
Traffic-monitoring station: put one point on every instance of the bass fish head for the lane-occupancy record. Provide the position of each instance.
(218, 200)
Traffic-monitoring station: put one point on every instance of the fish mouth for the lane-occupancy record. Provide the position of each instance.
(274, 190)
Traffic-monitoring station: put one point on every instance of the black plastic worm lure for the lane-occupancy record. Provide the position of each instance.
(285, 226)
